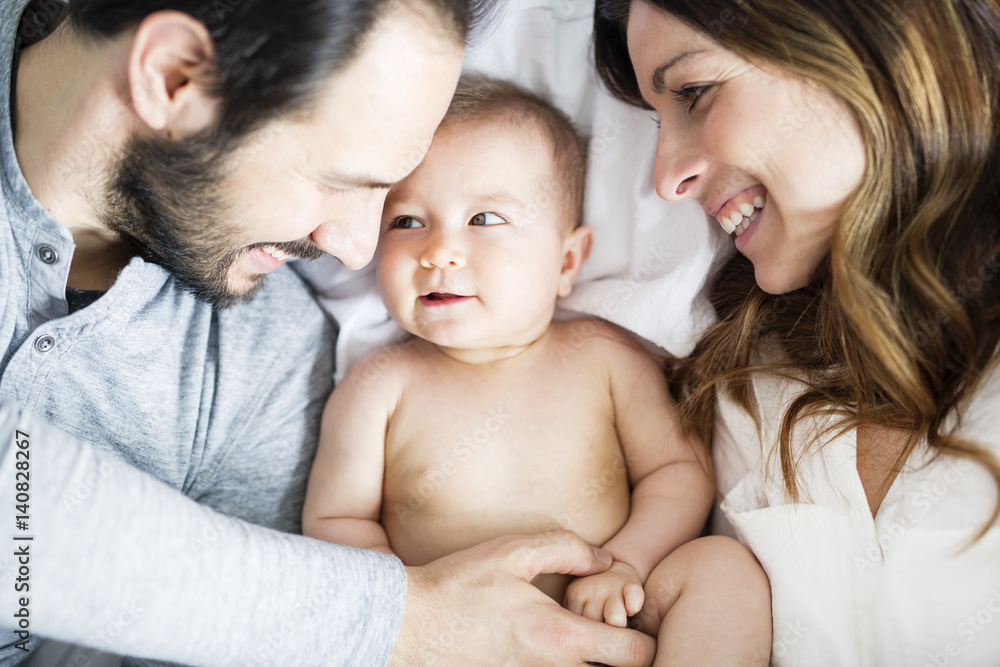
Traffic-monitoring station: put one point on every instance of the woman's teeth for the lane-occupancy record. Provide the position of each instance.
(275, 252)
(739, 220)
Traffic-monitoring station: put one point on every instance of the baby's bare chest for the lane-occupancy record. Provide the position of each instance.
(466, 463)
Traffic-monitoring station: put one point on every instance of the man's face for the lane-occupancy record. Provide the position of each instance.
(221, 219)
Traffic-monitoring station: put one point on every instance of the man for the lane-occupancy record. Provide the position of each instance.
(159, 397)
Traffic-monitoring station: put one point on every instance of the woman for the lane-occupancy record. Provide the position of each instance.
(850, 386)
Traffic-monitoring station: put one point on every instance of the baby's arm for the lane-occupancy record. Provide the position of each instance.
(671, 496)
(344, 496)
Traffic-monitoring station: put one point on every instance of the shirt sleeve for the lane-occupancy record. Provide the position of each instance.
(109, 557)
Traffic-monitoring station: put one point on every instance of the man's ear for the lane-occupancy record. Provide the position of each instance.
(169, 66)
(576, 250)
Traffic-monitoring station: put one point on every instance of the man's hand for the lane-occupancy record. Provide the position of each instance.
(611, 596)
(477, 607)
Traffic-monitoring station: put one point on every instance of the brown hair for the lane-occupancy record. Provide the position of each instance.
(486, 100)
(901, 322)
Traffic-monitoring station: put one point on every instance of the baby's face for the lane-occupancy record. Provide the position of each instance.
(472, 246)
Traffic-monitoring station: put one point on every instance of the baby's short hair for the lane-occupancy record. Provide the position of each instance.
(484, 99)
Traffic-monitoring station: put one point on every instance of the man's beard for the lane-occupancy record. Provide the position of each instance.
(167, 198)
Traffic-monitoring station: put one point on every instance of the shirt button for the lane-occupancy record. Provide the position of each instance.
(47, 254)
(44, 343)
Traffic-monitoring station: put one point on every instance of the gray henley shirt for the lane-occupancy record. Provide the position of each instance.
(164, 447)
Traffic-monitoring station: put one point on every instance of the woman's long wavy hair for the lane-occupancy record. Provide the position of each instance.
(901, 323)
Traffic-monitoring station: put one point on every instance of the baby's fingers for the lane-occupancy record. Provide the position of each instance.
(593, 609)
(634, 598)
(574, 601)
(614, 612)
(578, 594)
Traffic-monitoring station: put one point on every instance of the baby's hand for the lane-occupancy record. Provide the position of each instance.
(611, 596)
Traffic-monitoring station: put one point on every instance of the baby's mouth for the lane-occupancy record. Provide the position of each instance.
(442, 298)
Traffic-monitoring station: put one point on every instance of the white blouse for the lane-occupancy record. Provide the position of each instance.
(847, 589)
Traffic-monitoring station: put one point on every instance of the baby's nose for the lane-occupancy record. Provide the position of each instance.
(440, 254)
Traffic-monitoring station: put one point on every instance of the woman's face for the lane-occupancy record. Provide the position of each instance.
(770, 156)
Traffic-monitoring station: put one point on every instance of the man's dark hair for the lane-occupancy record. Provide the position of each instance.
(271, 56)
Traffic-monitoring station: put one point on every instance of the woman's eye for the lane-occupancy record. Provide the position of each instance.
(406, 222)
(486, 219)
(689, 95)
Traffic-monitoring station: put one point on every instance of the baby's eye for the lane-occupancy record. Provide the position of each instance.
(487, 219)
(405, 222)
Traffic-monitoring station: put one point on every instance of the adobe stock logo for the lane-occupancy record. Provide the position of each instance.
(967, 630)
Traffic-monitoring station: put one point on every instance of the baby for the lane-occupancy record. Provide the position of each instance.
(493, 419)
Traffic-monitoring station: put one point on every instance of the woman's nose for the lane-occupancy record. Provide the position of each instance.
(679, 171)
(442, 253)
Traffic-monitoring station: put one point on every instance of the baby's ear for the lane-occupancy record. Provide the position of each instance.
(576, 250)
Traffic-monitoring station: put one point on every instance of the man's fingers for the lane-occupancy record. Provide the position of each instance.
(560, 551)
(605, 644)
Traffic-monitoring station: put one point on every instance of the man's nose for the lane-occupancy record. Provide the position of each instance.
(352, 236)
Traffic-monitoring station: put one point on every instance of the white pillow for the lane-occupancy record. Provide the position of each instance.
(650, 257)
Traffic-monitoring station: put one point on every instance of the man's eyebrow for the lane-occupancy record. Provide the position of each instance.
(656, 81)
(360, 182)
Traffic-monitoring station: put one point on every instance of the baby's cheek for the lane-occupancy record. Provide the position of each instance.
(387, 272)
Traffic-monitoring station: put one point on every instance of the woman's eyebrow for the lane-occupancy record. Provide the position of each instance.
(656, 81)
